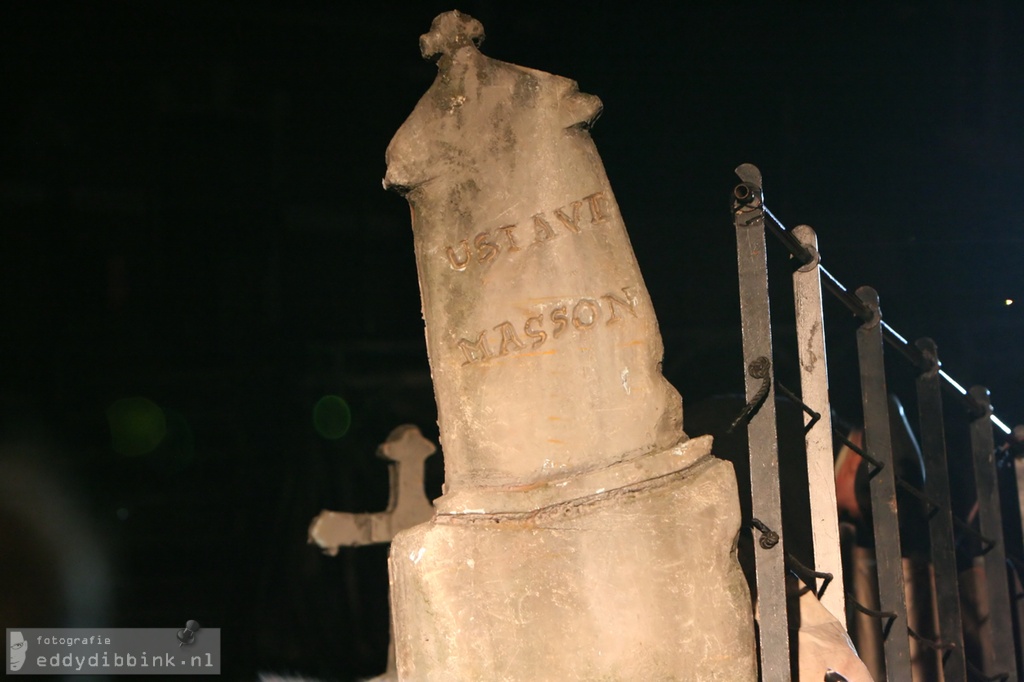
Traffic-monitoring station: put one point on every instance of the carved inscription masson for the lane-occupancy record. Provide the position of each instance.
(582, 314)
(488, 245)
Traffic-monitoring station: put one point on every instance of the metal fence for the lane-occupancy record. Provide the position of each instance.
(997, 553)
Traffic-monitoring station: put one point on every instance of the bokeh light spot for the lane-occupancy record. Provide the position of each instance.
(137, 426)
(331, 417)
(177, 450)
(1009, 301)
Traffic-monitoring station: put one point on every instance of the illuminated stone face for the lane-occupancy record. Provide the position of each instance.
(543, 343)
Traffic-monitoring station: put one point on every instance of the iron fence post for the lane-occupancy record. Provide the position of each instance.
(821, 480)
(878, 442)
(940, 522)
(748, 219)
(990, 522)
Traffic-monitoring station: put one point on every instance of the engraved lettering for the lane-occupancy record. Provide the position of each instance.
(512, 245)
(581, 318)
(572, 223)
(598, 207)
(584, 313)
(542, 228)
(539, 334)
(487, 246)
(475, 351)
(508, 338)
(486, 250)
(457, 264)
(558, 316)
(629, 303)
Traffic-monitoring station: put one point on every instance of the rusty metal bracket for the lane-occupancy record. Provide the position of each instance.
(815, 417)
(769, 538)
(761, 368)
(889, 616)
(809, 575)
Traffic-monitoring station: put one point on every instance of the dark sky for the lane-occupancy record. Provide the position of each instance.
(191, 211)
(200, 152)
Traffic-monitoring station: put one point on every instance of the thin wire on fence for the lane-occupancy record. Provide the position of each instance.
(857, 307)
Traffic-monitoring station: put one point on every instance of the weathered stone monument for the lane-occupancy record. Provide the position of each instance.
(581, 535)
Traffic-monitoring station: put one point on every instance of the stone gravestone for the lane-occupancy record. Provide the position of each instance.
(406, 451)
(581, 535)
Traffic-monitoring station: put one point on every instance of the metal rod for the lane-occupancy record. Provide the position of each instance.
(821, 478)
(940, 522)
(878, 439)
(748, 220)
(998, 626)
(1013, 535)
(1011, 487)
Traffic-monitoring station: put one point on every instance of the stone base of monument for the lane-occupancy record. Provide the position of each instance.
(638, 582)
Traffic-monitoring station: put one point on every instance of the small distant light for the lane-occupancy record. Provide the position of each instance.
(1009, 301)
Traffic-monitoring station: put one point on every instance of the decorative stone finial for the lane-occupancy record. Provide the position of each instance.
(448, 33)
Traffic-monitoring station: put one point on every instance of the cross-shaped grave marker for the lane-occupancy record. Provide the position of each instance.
(405, 450)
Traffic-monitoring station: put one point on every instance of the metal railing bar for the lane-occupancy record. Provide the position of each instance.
(857, 307)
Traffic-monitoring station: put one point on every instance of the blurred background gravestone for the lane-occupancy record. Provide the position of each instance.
(405, 451)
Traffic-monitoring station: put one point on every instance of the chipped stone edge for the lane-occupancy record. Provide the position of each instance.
(631, 473)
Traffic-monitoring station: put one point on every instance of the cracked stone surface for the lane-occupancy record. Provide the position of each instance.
(638, 584)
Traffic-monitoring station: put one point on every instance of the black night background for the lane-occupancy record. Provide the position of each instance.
(196, 252)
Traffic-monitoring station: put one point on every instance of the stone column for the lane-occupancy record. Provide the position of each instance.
(581, 535)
